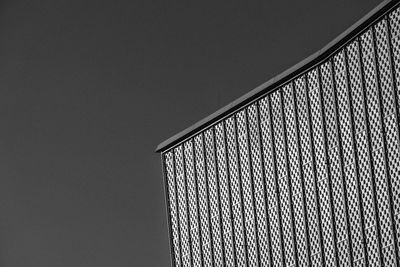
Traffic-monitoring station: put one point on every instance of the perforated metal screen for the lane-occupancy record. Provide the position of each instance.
(306, 175)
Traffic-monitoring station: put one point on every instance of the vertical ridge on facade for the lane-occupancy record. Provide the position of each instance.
(263, 205)
(388, 121)
(347, 259)
(304, 246)
(352, 166)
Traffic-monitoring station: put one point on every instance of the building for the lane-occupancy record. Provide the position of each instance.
(303, 170)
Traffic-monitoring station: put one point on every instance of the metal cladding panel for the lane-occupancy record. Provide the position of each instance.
(390, 129)
(182, 206)
(283, 178)
(173, 207)
(259, 185)
(225, 195)
(213, 189)
(350, 167)
(203, 202)
(324, 191)
(247, 188)
(305, 175)
(335, 159)
(310, 185)
(192, 195)
(394, 39)
(271, 186)
(237, 201)
(374, 109)
(368, 197)
(296, 175)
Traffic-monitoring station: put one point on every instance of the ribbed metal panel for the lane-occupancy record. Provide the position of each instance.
(306, 175)
(282, 179)
(260, 194)
(271, 185)
(310, 185)
(214, 202)
(296, 176)
(192, 195)
(204, 208)
(355, 226)
(225, 195)
(237, 200)
(247, 188)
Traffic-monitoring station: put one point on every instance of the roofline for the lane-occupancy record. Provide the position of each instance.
(283, 77)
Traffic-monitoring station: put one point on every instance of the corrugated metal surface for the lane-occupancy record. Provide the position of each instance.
(305, 175)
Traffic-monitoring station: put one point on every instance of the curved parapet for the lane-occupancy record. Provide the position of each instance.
(304, 170)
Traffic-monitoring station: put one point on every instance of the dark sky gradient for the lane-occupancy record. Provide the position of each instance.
(89, 88)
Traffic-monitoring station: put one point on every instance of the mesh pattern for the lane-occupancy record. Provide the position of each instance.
(321, 168)
(213, 197)
(307, 175)
(240, 242)
(308, 170)
(182, 206)
(173, 209)
(378, 153)
(192, 200)
(350, 175)
(359, 113)
(335, 164)
(390, 114)
(273, 208)
(394, 20)
(224, 195)
(247, 188)
(203, 202)
(283, 178)
(295, 175)
(260, 194)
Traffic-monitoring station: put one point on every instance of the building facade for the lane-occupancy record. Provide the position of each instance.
(302, 171)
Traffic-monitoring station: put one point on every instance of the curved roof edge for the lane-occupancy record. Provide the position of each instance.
(283, 77)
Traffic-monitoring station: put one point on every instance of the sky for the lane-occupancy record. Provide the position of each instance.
(88, 89)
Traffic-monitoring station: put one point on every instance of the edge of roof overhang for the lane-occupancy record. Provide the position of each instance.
(283, 77)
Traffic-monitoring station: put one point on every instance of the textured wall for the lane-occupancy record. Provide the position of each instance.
(307, 175)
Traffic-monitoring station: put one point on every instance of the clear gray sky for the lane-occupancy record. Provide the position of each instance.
(89, 88)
